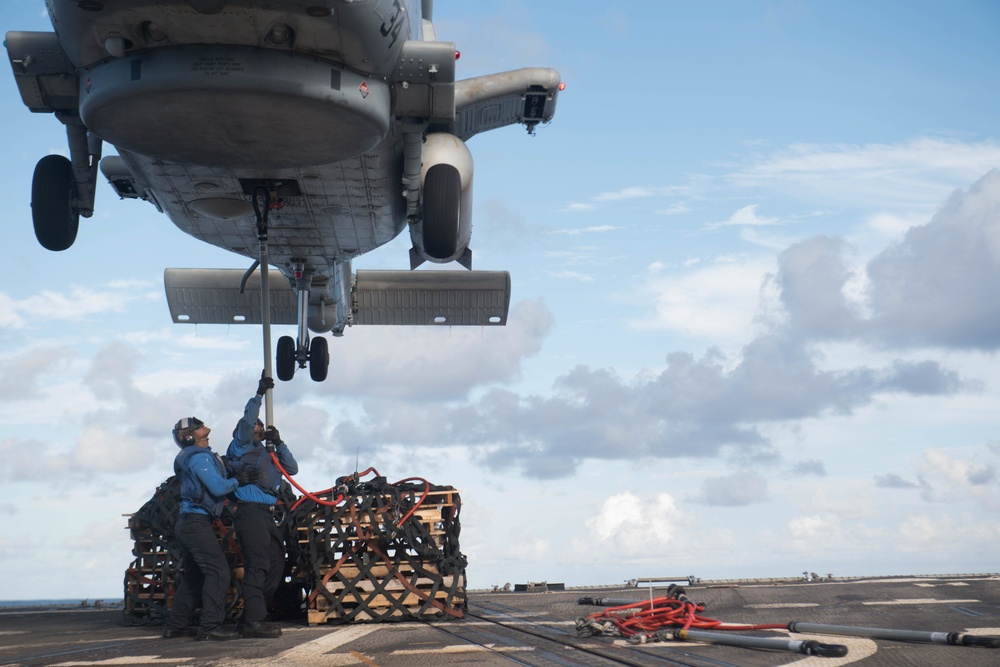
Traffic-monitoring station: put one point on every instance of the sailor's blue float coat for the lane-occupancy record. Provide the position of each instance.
(245, 451)
(204, 485)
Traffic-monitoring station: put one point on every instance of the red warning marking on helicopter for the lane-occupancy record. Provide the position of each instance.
(364, 89)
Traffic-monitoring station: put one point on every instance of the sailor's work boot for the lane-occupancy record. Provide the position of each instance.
(260, 629)
(218, 635)
(172, 633)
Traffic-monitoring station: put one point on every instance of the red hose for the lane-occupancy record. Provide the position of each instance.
(649, 616)
(334, 503)
(340, 497)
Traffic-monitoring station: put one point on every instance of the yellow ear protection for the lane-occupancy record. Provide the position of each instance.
(184, 430)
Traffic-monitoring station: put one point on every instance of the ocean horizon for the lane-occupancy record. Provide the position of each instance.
(110, 601)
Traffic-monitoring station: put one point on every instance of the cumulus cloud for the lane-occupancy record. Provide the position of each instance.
(22, 373)
(29, 460)
(958, 476)
(716, 300)
(735, 490)
(695, 407)
(448, 390)
(935, 287)
(633, 524)
(810, 280)
(811, 467)
(79, 302)
(436, 364)
(894, 481)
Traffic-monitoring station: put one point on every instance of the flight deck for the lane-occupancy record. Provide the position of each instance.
(540, 629)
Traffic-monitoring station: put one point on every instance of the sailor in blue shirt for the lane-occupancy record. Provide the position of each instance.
(263, 548)
(206, 575)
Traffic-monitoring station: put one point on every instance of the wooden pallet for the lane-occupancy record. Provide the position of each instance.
(150, 580)
(365, 570)
(367, 600)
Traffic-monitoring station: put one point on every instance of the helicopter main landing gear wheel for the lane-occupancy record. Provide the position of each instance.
(442, 210)
(319, 359)
(53, 203)
(287, 358)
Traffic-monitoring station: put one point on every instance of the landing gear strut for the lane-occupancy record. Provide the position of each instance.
(290, 352)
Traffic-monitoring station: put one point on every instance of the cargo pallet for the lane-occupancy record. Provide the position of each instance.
(151, 579)
(388, 555)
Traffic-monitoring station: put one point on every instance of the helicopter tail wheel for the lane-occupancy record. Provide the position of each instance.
(53, 203)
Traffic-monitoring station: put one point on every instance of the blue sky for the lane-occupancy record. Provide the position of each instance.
(753, 332)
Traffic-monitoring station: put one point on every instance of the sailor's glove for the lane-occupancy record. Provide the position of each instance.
(264, 384)
(246, 476)
(271, 438)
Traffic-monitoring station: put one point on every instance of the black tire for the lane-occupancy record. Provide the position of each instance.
(442, 210)
(284, 358)
(53, 203)
(319, 358)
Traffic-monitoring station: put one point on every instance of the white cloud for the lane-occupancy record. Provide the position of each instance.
(740, 488)
(972, 477)
(24, 372)
(9, 317)
(635, 192)
(917, 173)
(635, 525)
(675, 209)
(570, 275)
(809, 527)
(437, 362)
(934, 287)
(77, 303)
(746, 216)
(588, 230)
(717, 302)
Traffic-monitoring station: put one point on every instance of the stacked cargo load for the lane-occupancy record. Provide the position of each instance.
(384, 552)
(151, 579)
(361, 552)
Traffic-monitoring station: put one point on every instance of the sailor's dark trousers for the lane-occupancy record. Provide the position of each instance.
(263, 558)
(205, 576)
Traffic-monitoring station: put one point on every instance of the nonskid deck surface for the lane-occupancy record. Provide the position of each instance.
(517, 628)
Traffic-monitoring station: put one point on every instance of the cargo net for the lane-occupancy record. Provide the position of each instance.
(151, 579)
(361, 552)
(387, 552)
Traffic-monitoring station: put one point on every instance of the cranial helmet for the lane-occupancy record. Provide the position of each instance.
(184, 430)
(256, 423)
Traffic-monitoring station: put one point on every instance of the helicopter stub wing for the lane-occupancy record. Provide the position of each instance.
(451, 298)
(213, 296)
(487, 102)
(442, 298)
